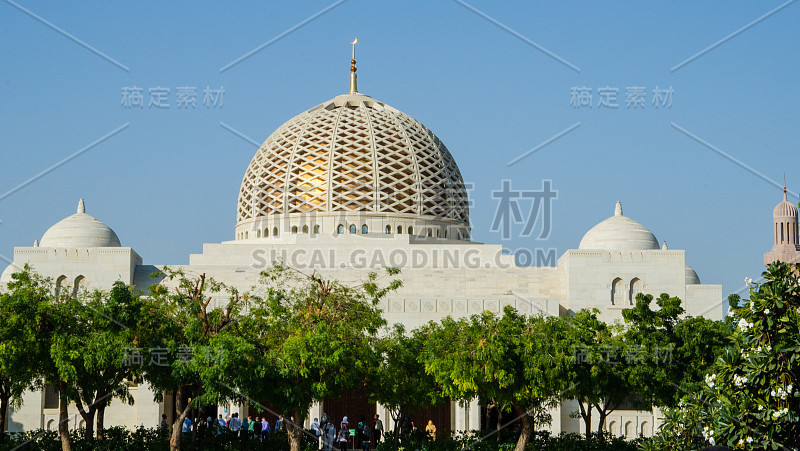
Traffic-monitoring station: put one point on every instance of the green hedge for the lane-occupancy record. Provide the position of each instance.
(141, 439)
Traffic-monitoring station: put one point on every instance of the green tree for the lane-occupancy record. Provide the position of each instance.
(601, 368)
(749, 397)
(315, 338)
(109, 321)
(194, 346)
(400, 382)
(509, 360)
(20, 349)
(676, 350)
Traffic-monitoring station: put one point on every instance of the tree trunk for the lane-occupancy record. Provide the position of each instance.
(586, 414)
(601, 422)
(499, 422)
(63, 417)
(604, 413)
(88, 419)
(4, 402)
(526, 434)
(183, 410)
(101, 413)
(295, 432)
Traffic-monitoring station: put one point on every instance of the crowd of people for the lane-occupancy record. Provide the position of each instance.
(364, 434)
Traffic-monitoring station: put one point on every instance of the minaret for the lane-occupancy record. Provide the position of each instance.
(353, 87)
(784, 232)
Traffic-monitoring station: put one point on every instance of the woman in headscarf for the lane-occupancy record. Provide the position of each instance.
(344, 434)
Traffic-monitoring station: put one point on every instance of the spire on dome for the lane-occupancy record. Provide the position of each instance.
(618, 209)
(81, 206)
(353, 88)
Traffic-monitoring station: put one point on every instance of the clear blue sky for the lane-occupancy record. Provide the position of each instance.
(169, 181)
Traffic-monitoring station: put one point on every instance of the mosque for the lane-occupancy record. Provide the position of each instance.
(352, 185)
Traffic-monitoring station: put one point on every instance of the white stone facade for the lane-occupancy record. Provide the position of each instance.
(443, 272)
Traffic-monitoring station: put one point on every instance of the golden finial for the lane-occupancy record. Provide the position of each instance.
(353, 69)
(784, 186)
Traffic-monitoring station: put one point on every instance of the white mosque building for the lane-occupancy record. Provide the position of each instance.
(345, 188)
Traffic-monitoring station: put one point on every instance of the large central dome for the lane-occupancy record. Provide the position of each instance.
(352, 161)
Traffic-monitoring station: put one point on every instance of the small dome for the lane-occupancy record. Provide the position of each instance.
(619, 233)
(691, 276)
(785, 208)
(78, 231)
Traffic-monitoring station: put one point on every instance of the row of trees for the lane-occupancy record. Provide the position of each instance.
(304, 338)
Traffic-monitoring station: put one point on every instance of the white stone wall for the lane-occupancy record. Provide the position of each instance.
(440, 278)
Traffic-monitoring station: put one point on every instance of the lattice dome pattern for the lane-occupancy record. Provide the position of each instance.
(353, 154)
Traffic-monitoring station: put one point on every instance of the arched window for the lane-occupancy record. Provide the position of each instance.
(305, 229)
(294, 229)
(636, 288)
(388, 229)
(781, 233)
(438, 233)
(410, 230)
(352, 228)
(445, 233)
(316, 228)
(628, 432)
(258, 233)
(617, 292)
(340, 229)
(266, 232)
(246, 235)
(80, 281)
(274, 231)
(611, 426)
(430, 232)
(364, 229)
(399, 229)
(645, 429)
(60, 284)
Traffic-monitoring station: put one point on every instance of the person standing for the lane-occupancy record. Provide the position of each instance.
(315, 429)
(362, 424)
(377, 430)
(279, 426)
(245, 431)
(366, 435)
(257, 428)
(344, 434)
(264, 428)
(329, 435)
(430, 430)
(235, 424)
(164, 425)
(250, 426)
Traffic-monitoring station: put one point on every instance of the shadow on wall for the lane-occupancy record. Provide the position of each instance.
(11, 425)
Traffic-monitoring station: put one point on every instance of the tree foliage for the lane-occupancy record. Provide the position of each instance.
(315, 338)
(511, 360)
(749, 396)
(194, 348)
(399, 381)
(20, 346)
